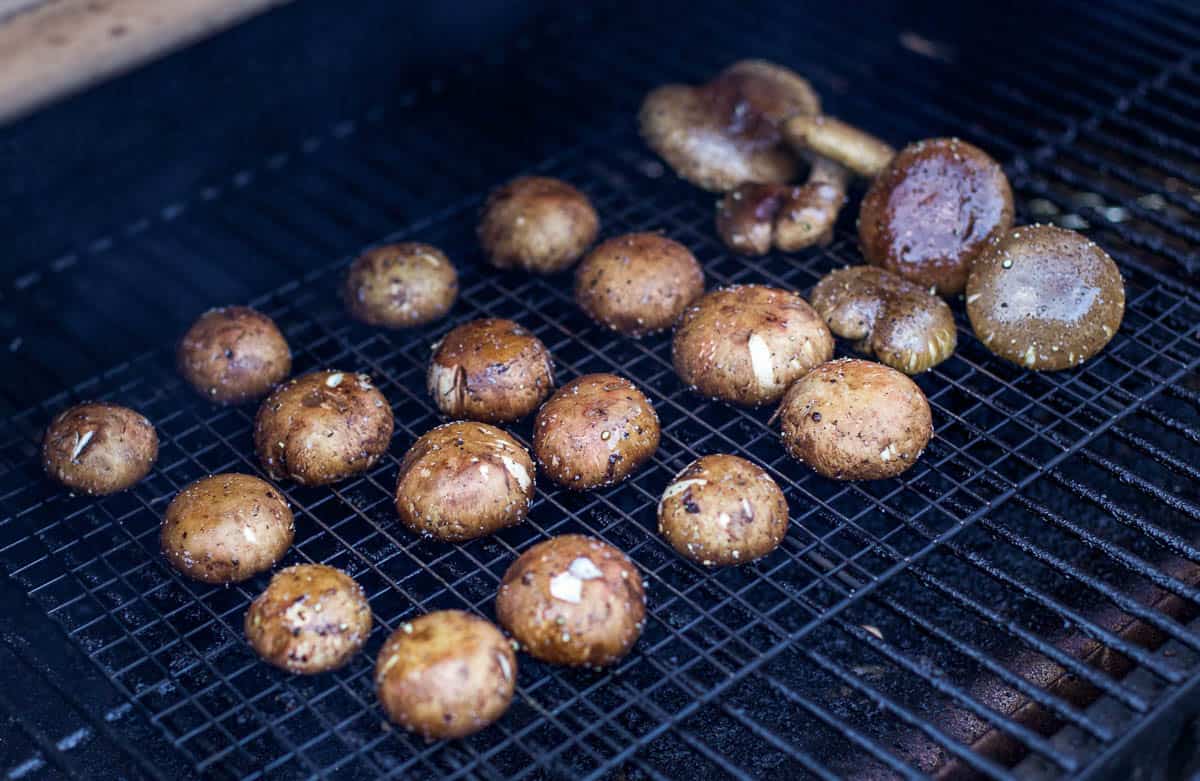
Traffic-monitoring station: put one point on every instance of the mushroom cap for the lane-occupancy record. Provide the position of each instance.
(851, 419)
(638, 283)
(233, 354)
(538, 224)
(464, 480)
(99, 448)
(1045, 297)
(726, 132)
(754, 216)
(746, 343)
(400, 285)
(491, 369)
(723, 510)
(932, 209)
(900, 322)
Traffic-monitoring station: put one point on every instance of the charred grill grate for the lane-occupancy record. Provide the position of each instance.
(1041, 550)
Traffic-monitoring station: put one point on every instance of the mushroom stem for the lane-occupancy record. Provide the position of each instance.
(856, 149)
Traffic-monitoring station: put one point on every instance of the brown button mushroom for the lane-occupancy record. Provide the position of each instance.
(594, 432)
(99, 448)
(537, 224)
(726, 132)
(573, 600)
(899, 322)
(638, 283)
(310, 619)
(746, 343)
(492, 370)
(233, 354)
(400, 285)
(226, 528)
(835, 140)
(754, 217)
(856, 420)
(464, 480)
(445, 675)
(723, 510)
(322, 427)
(932, 209)
(1045, 297)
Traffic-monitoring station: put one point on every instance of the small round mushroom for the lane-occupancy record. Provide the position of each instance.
(638, 283)
(492, 370)
(753, 217)
(310, 619)
(723, 510)
(226, 528)
(843, 143)
(746, 343)
(1045, 298)
(930, 212)
(400, 285)
(233, 354)
(537, 224)
(901, 323)
(464, 480)
(445, 675)
(851, 419)
(322, 427)
(573, 600)
(594, 432)
(726, 132)
(99, 448)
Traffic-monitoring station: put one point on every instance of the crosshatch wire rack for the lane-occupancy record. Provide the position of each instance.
(772, 667)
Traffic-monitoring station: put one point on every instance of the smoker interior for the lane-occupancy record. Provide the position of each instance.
(1020, 604)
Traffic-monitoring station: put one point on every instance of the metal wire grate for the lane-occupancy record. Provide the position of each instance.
(1041, 554)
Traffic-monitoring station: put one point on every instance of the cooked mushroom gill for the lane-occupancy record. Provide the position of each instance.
(901, 323)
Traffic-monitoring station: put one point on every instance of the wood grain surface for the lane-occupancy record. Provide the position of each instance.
(53, 47)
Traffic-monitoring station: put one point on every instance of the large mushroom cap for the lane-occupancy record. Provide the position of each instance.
(931, 210)
(726, 132)
(1045, 297)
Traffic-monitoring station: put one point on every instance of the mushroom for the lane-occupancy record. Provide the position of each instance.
(831, 138)
(899, 322)
(754, 216)
(931, 211)
(537, 224)
(1045, 298)
(723, 133)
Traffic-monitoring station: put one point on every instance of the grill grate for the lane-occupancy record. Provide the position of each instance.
(1049, 529)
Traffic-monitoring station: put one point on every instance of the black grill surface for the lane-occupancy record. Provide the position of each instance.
(1043, 552)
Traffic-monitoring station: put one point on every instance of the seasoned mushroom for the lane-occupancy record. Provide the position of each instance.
(492, 370)
(638, 283)
(573, 600)
(99, 448)
(400, 285)
(726, 132)
(1045, 297)
(754, 217)
(723, 510)
(932, 209)
(322, 427)
(464, 480)
(856, 420)
(445, 675)
(537, 224)
(233, 354)
(310, 619)
(833, 139)
(226, 528)
(594, 432)
(899, 322)
(746, 343)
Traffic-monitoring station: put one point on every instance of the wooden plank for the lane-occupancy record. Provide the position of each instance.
(53, 47)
